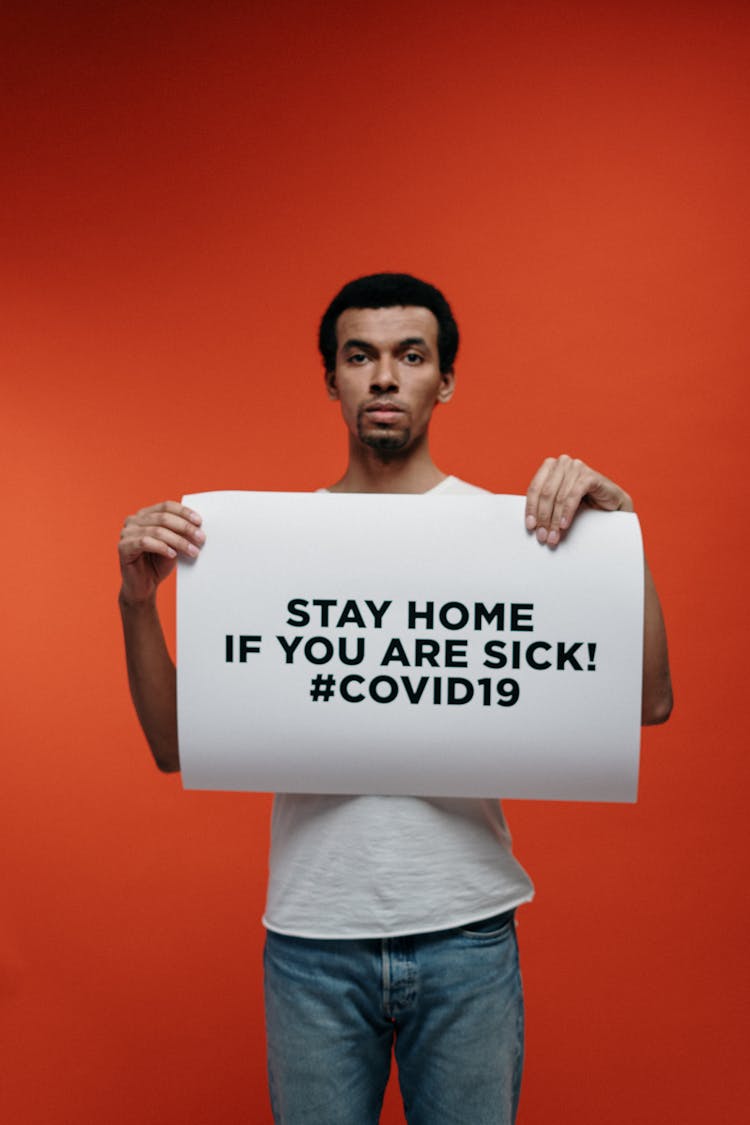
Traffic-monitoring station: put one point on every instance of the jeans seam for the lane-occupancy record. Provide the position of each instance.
(385, 954)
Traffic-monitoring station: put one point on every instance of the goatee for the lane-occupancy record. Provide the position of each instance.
(385, 442)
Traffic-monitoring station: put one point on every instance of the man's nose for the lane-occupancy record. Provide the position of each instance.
(385, 374)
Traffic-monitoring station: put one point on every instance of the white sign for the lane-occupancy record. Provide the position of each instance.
(409, 645)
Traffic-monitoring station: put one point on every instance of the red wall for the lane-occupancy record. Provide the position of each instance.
(185, 186)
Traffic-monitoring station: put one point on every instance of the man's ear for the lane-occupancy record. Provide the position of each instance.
(447, 386)
(331, 387)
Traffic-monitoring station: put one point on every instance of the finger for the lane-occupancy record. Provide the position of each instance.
(173, 507)
(180, 544)
(169, 515)
(137, 541)
(131, 548)
(534, 490)
(545, 493)
(149, 517)
(577, 482)
(151, 545)
(585, 485)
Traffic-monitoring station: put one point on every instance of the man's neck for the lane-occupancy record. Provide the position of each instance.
(369, 471)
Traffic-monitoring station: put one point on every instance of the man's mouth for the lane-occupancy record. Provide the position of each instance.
(383, 412)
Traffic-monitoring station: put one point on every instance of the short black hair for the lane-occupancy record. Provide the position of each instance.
(383, 291)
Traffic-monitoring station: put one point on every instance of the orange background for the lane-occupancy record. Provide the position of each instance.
(185, 186)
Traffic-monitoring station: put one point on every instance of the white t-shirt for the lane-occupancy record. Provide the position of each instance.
(356, 867)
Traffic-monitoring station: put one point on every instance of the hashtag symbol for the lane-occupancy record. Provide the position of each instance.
(322, 687)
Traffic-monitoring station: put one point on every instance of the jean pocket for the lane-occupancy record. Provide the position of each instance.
(498, 925)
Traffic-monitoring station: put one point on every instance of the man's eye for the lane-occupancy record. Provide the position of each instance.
(413, 358)
(357, 358)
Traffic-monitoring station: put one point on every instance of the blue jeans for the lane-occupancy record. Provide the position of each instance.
(450, 1001)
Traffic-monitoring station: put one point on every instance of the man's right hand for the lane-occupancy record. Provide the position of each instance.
(150, 543)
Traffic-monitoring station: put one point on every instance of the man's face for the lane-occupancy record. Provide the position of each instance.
(387, 375)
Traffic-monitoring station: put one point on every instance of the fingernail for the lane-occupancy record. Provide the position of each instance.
(200, 537)
(194, 517)
(542, 534)
(193, 550)
(530, 523)
(553, 538)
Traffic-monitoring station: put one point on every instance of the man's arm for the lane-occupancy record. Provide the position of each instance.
(559, 488)
(150, 543)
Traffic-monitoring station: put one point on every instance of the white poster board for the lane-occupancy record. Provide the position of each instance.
(409, 645)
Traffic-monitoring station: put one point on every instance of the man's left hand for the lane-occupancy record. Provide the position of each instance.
(559, 488)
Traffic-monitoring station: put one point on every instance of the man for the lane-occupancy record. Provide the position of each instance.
(389, 919)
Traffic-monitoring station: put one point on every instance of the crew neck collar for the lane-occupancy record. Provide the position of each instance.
(430, 491)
